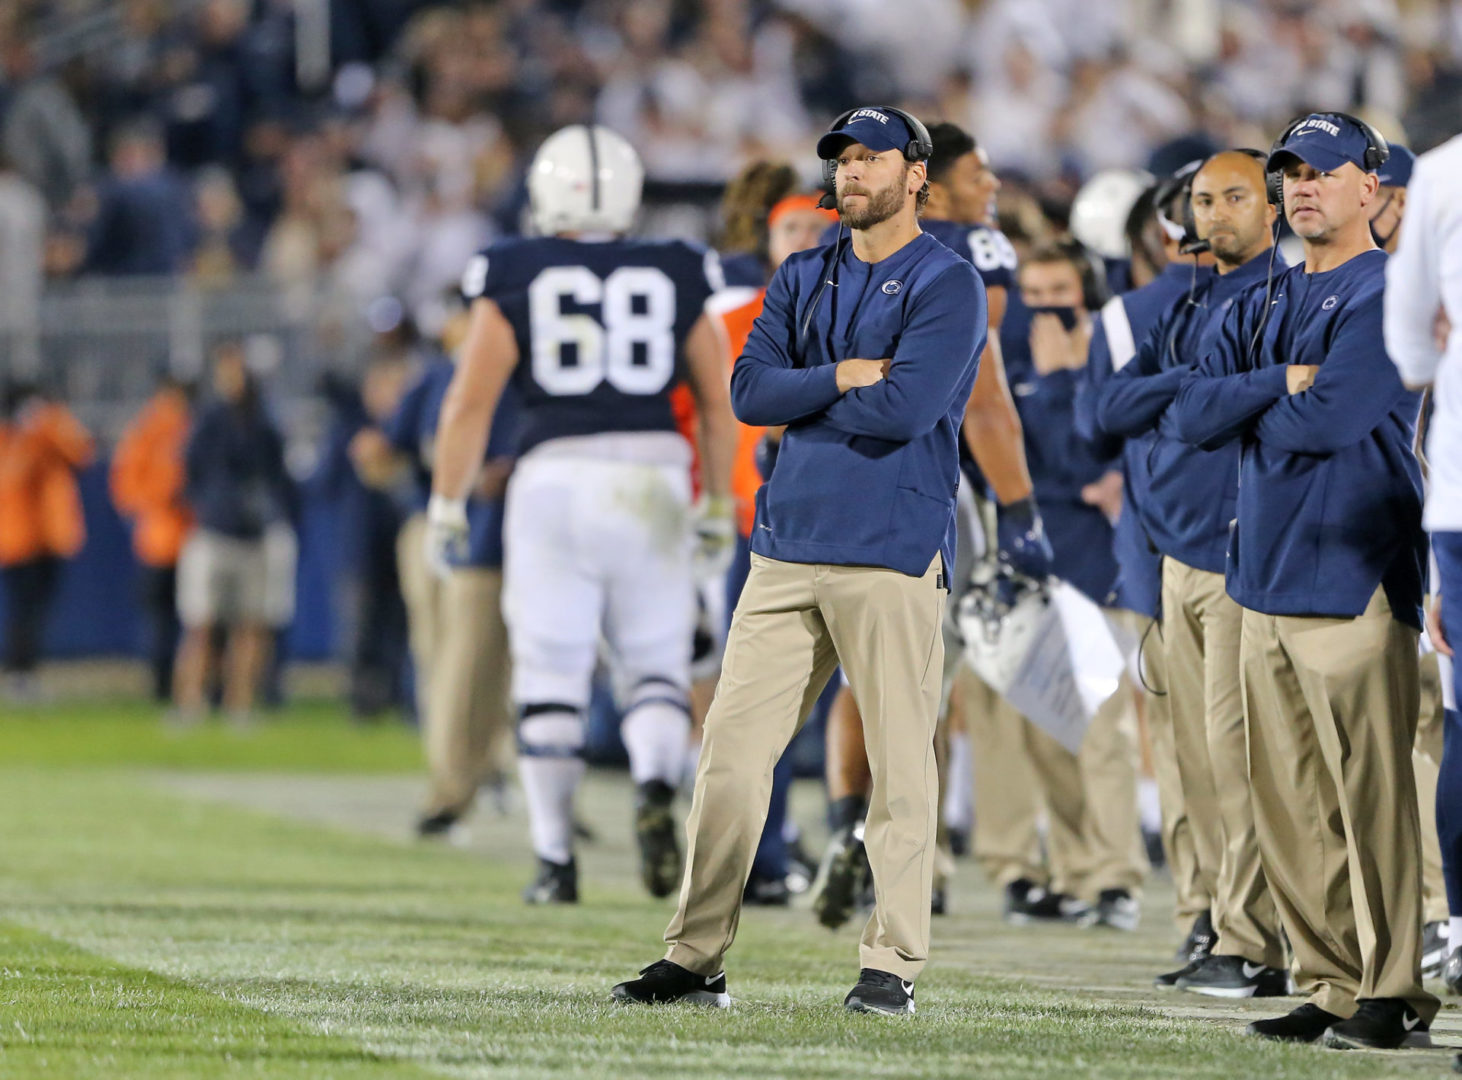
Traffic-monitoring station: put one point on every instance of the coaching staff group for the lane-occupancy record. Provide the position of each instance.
(867, 350)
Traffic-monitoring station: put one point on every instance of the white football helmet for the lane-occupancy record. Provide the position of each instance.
(1000, 618)
(585, 178)
(1099, 211)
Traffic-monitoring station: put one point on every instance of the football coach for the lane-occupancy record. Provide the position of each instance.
(866, 350)
(1326, 560)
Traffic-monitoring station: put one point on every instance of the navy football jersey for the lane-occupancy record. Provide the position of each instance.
(600, 328)
(987, 249)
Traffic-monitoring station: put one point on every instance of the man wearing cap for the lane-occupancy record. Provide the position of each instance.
(1390, 205)
(1326, 559)
(867, 351)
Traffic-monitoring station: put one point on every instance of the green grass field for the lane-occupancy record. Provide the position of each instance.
(210, 903)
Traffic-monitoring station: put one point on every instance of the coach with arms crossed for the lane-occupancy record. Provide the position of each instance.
(1326, 561)
(867, 351)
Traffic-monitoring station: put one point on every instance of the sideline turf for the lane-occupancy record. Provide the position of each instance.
(310, 737)
(307, 950)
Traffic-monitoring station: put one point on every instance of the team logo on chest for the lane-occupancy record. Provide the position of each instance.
(891, 288)
(1330, 303)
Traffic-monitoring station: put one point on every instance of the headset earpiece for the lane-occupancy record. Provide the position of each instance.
(1378, 152)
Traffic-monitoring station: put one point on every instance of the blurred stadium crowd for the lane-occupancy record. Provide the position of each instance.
(378, 143)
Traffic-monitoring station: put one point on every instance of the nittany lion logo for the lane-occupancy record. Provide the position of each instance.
(1330, 302)
(891, 288)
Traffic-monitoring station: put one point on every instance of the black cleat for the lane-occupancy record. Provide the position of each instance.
(1434, 949)
(765, 890)
(841, 878)
(1304, 1025)
(1170, 980)
(1234, 977)
(879, 992)
(655, 830)
(1379, 1024)
(939, 900)
(438, 826)
(557, 883)
(665, 981)
(1115, 908)
(1199, 942)
(1026, 902)
(959, 842)
(1452, 972)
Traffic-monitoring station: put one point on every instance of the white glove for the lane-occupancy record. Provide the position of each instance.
(715, 537)
(446, 533)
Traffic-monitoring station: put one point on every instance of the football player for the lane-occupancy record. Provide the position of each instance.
(594, 330)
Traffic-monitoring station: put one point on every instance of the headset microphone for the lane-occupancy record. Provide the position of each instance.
(829, 201)
(1196, 247)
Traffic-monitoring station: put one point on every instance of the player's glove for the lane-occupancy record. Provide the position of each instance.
(715, 537)
(1021, 537)
(446, 533)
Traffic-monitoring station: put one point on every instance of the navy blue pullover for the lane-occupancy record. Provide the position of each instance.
(236, 482)
(866, 478)
(1329, 490)
(1190, 492)
(1139, 565)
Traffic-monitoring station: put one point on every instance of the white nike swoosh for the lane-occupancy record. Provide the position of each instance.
(1410, 1022)
(908, 987)
(712, 978)
(1250, 970)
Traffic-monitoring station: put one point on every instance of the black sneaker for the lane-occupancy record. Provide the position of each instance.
(939, 899)
(557, 883)
(1170, 980)
(655, 830)
(1115, 908)
(1026, 902)
(1434, 950)
(1452, 972)
(665, 981)
(1200, 940)
(1380, 1024)
(841, 877)
(764, 890)
(1304, 1025)
(1234, 977)
(879, 992)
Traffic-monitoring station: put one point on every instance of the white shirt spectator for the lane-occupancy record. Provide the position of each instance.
(1424, 275)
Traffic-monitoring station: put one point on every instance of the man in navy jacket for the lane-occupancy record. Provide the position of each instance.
(867, 351)
(1326, 559)
(1185, 515)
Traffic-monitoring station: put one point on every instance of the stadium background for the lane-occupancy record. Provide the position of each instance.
(332, 164)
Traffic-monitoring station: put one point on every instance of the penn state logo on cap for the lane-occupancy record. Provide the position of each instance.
(892, 287)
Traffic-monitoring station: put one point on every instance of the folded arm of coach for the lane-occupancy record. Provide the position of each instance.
(1328, 485)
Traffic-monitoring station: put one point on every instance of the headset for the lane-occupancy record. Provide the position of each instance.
(1181, 182)
(919, 148)
(1378, 151)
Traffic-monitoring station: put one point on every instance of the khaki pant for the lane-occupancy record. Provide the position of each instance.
(1191, 899)
(468, 715)
(1201, 631)
(1426, 762)
(793, 624)
(1331, 708)
(1093, 836)
(422, 592)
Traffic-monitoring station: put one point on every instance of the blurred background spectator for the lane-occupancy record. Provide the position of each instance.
(41, 525)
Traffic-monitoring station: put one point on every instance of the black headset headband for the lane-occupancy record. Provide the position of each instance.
(919, 148)
(1378, 151)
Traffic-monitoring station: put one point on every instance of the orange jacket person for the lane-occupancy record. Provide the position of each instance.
(41, 447)
(147, 486)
